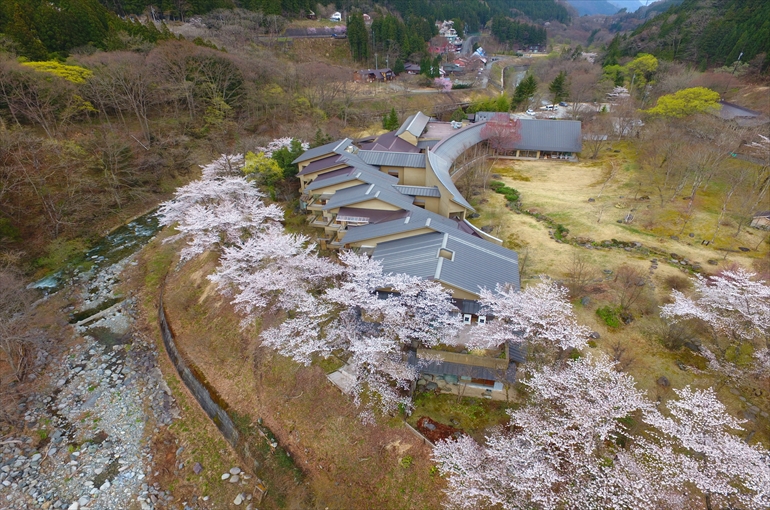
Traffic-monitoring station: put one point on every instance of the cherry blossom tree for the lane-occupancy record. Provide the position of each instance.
(372, 329)
(722, 466)
(561, 450)
(540, 315)
(502, 132)
(570, 447)
(218, 209)
(278, 144)
(732, 304)
(272, 271)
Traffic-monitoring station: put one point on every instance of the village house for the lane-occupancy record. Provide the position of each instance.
(373, 75)
(394, 198)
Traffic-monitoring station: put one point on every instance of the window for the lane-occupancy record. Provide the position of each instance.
(467, 318)
(447, 254)
(482, 319)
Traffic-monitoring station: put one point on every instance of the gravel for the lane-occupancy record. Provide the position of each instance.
(92, 423)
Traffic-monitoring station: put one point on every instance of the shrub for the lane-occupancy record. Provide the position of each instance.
(610, 315)
(510, 194)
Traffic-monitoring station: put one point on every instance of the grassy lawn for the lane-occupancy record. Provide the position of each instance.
(473, 415)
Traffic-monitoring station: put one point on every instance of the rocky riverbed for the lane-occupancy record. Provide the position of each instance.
(86, 440)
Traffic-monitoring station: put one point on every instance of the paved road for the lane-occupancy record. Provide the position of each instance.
(468, 44)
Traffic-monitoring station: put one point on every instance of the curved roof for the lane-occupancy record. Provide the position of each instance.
(458, 142)
(415, 124)
(536, 135)
(440, 167)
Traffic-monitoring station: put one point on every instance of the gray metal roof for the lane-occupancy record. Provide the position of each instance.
(426, 144)
(387, 158)
(351, 174)
(475, 263)
(440, 167)
(460, 370)
(334, 147)
(364, 192)
(417, 219)
(415, 124)
(418, 191)
(536, 134)
(550, 135)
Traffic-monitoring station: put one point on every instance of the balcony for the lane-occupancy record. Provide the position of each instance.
(493, 359)
(319, 221)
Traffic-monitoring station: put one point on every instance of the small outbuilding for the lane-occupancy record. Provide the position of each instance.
(761, 220)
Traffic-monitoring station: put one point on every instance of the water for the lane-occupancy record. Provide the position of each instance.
(115, 246)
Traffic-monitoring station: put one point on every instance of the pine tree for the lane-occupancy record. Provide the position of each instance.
(558, 87)
(524, 90)
(358, 37)
(390, 121)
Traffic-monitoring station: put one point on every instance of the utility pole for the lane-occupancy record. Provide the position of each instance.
(729, 82)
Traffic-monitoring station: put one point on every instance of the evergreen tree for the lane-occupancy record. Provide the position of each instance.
(458, 115)
(558, 87)
(390, 121)
(398, 67)
(358, 37)
(613, 53)
(524, 90)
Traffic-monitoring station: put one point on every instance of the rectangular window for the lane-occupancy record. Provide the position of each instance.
(467, 318)
(482, 319)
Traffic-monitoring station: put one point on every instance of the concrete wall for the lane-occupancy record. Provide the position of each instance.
(207, 399)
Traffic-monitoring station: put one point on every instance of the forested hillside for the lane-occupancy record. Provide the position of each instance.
(38, 29)
(710, 33)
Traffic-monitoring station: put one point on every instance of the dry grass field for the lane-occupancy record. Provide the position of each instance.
(333, 460)
(561, 191)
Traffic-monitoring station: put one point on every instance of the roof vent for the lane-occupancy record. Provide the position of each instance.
(446, 254)
(427, 222)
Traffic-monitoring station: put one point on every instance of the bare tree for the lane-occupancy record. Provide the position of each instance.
(596, 133)
(580, 273)
(125, 84)
(17, 338)
(628, 286)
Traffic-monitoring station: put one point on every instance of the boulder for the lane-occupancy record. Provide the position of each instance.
(663, 381)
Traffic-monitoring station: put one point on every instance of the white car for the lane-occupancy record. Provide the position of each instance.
(530, 112)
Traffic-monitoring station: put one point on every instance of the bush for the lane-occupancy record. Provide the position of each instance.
(510, 194)
(560, 232)
(610, 315)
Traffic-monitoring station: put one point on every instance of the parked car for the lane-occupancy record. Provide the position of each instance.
(530, 112)
(562, 104)
(551, 107)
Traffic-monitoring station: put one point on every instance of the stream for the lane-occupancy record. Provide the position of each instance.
(86, 436)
